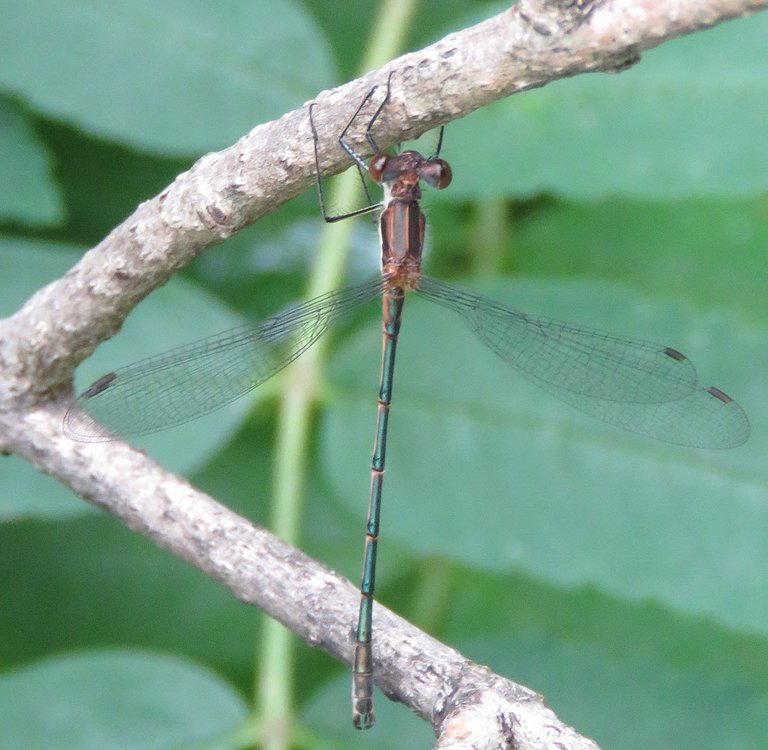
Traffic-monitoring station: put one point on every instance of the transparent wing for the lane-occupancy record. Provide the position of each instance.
(705, 418)
(182, 384)
(637, 385)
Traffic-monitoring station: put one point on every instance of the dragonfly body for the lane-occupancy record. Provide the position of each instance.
(401, 226)
(640, 386)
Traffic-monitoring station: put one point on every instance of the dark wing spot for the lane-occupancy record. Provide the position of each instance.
(717, 393)
(670, 352)
(100, 385)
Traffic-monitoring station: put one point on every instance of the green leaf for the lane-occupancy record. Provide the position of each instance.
(688, 120)
(90, 582)
(707, 251)
(176, 314)
(114, 699)
(484, 468)
(178, 77)
(28, 193)
(630, 675)
(632, 703)
(27, 493)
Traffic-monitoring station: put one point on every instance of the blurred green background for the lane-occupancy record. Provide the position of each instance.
(626, 580)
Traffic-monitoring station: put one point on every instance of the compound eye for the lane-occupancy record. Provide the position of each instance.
(377, 165)
(437, 173)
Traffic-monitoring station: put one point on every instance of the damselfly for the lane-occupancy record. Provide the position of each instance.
(639, 386)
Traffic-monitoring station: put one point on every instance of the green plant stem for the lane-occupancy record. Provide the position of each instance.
(299, 392)
(491, 233)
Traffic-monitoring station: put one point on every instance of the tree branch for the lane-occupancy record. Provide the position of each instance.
(318, 605)
(533, 43)
(527, 46)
